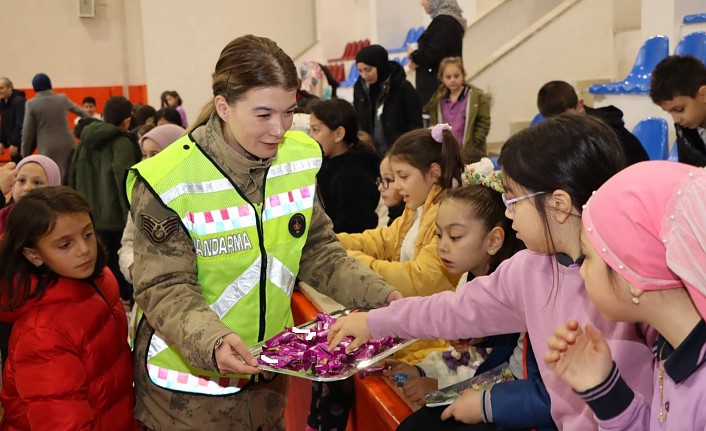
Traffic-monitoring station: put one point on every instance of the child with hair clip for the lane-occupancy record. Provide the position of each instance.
(460, 104)
(69, 365)
(538, 288)
(475, 236)
(425, 163)
(643, 239)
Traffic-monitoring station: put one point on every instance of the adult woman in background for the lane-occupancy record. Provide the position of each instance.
(443, 38)
(386, 102)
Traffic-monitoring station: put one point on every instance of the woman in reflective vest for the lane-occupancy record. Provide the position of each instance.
(226, 219)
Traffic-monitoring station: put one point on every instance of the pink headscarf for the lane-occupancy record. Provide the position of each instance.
(163, 135)
(648, 223)
(50, 168)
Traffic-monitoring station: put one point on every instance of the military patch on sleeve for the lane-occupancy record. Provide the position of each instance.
(158, 231)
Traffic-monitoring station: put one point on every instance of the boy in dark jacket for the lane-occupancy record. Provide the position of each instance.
(679, 87)
(98, 171)
(558, 97)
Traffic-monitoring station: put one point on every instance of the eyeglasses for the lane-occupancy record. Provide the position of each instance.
(384, 182)
(510, 203)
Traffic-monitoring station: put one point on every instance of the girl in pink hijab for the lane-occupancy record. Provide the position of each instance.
(644, 241)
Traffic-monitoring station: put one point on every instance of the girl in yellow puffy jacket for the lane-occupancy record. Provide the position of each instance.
(425, 162)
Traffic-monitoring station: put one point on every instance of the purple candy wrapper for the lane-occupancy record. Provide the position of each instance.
(304, 350)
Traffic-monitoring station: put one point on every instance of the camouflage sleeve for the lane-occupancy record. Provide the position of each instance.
(166, 287)
(326, 266)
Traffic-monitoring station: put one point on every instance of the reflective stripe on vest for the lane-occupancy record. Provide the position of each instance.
(228, 240)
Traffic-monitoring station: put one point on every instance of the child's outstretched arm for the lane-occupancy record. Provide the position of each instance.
(353, 325)
(582, 359)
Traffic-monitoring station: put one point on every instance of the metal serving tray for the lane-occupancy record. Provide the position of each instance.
(256, 350)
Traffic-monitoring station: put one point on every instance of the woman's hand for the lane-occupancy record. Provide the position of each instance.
(466, 408)
(581, 359)
(393, 296)
(234, 357)
(354, 325)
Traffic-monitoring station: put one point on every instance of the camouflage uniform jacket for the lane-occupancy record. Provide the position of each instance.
(166, 285)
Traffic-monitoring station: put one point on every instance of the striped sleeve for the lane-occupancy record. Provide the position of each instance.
(610, 398)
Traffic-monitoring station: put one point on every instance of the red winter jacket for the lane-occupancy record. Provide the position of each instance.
(69, 366)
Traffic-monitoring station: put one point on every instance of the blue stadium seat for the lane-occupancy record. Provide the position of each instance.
(537, 119)
(494, 159)
(409, 38)
(693, 44)
(695, 18)
(652, 133)
(673, 153)
(353, 75)
(638, 80)
(420, 30)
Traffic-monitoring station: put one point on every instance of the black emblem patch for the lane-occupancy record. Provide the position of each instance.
(157, 231)
(297, 225)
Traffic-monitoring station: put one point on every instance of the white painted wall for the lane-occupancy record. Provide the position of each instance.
(48, 36)
(494, 30)
(562, 50)
(183, 39)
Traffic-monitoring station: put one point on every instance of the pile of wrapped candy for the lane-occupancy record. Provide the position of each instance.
(306, 350)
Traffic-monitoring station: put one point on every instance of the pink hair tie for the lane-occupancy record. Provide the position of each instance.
(437, 131)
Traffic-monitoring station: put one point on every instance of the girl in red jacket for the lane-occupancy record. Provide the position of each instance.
(69, 365)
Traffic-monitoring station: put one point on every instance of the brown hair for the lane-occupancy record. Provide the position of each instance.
(458, 61)
(246, 63)
(489, 209)
(30, 219)
(420, 150)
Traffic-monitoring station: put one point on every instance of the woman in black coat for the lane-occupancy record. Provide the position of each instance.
(443, 38)
(385, 101)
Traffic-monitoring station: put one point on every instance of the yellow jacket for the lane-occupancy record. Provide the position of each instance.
(379, 249)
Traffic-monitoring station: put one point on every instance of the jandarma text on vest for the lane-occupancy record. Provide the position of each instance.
(222, 244)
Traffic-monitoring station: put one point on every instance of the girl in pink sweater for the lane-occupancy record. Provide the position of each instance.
(549, 173)
(645, 253)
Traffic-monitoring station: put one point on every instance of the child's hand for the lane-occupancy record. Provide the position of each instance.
(461, 346)
(354, 325)
(466, 408)
(234, 357)
(416, 389)
(8, 175)
(395, 366)
(581, 359)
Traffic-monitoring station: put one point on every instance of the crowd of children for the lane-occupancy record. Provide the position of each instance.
(578, 266)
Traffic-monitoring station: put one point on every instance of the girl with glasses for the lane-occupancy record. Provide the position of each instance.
(645, 257)
(392, 205)
(539, 288)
